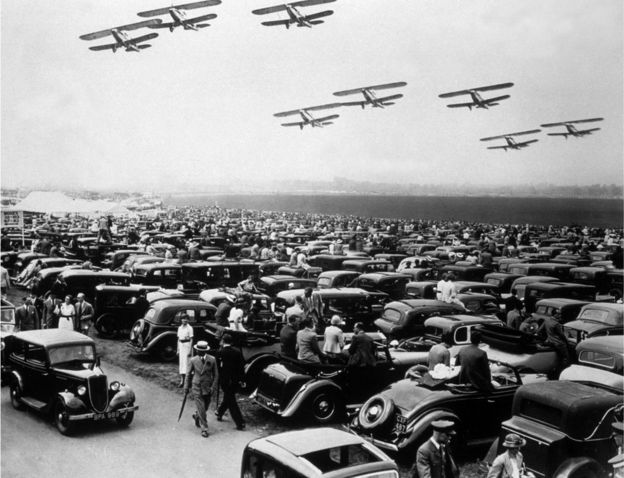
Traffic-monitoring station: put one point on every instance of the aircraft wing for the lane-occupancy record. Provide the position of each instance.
(131, 26)
(563, 123)
(462, 105)
(355, 103)
(271, 23)
(558, 134)
(143, 38)
(323, 107)
(375, 87)
(589, 131)
(326, 118)
(524, 144)
(314, 16)
(186, 6)
(481, 88)
(490, 101)
(497, 147)
(287, 113)
(533, 131)
(201, 18)
(103, 47)
(309, 3)
(264, 11)
(298, 123)
(389, 98)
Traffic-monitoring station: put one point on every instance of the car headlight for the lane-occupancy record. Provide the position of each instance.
(82, 390)
(114, 386)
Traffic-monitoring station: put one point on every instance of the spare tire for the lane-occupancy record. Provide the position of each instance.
(376, 412)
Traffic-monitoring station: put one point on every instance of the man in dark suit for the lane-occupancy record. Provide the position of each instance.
(231, 365)
(288, 338)
(475, 368)
(201, 378)
(84, 314)
(362, 360)
(433, 458)
(48, 319)
(26, 316)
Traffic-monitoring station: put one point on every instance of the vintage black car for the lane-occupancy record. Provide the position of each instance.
(73, 281)
(274, 284)
(330, 279)
(466, 273)
(399, 417)
(45, 279)
(502, 280)
(568, 309)
(164, 274)
(426, 289)
(391, 283)
(419, 274)
(406, 318)
(520, 284)
(57, 371)
(197, 276)
(315, 453)
(304, 273)
(324, 391)
(115, 259)
(328, 262)
(7, 328)
(563, 290)
(550, 269)
(364, 266)
(595, 320)
(567, 428)
(156, 332)
(595, 276)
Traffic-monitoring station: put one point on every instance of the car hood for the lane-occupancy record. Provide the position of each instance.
(78, 373)
(407, 395)
(586, 326)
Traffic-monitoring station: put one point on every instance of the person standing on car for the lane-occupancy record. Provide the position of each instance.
(433, 458)
(441, 286)
(201, 379)
(231, 365)
(313, 305)
(510, 464)
(84, 314)
(185, 347)
(475, 367)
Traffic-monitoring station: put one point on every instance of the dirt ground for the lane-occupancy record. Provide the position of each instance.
(166, 376)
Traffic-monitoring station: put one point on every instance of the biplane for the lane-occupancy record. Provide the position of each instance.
(122, 40)
(511, 142)
(294, 15)
(477, 100)
(572, 131)
(179, 15)
(370, 98)
(307, 118)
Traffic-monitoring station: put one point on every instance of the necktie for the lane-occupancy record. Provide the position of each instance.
(443, 461)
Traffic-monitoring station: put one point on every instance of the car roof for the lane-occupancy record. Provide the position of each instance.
(557, 302)
(89, 272)
(384, 275)
(166, 303)
(337, 273)
(158, 265)
(605, 306)
(49, 337)
(559, 285)
(301, 443)
(448, 321)
(613, 344)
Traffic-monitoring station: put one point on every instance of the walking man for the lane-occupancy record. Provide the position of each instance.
(231, 372)
(84, 314)
(433, 458)
(201, 378)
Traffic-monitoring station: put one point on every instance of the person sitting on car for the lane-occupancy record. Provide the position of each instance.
(334, 340)
(307, 344)
(439, 353)
(288, 337)
(475, 368)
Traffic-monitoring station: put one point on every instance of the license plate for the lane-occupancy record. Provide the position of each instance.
(104, 416)
(401, 425)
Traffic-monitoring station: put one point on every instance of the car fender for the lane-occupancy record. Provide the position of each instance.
(123, 396)
(159, 339)
(17, 378)
(572, 465)
(72, 402)
(305, 392)
(421, 426)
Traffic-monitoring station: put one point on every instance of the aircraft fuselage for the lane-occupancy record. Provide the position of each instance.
(371, 98)
(296, 16)
(478, 100)
(180, 19)
(122, 40)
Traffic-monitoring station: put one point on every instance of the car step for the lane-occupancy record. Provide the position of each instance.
(34, 403)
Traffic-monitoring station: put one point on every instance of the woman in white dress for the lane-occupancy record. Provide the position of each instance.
(185, 346)
(66, 314)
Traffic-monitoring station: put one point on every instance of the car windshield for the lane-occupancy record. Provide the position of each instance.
(392, 315)
(72, 353)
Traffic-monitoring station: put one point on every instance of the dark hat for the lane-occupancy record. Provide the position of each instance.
(201, 346)
(445, 426)
(514, 441)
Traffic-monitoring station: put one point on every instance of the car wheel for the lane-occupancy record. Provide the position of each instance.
(125, 419)
(61, 419)
(167, 353)
(616, 293)
(376, 412)
(325, 407)
(16, 396)
(106, 326)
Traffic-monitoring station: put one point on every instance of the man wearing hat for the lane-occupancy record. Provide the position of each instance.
(510, 464)
(201, 378)
(433, 458)
(231, 374)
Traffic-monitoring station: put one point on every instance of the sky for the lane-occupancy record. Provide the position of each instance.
(196, 109)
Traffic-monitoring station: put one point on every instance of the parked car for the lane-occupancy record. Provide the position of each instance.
(466, 273)
(45, 279)
(502, 280)
(399, 417)
(57, 371)
(364, 266)
(563, 290)
(156, 332)
(406, 318)
(163, 274)
(391, 283)
(305, 273)
(73, 281)
(520, 284)
(270, 268)
(422, 289)
(417, 275)
(595, 320)
(274, 284)
(558, 271)
(328, 262)
(417, 262)
(115, 309)
(115, 259)
(481, 304)
(568, 309)
(324, 391)
(315, 453)
(135, 260)
(197, 276)
(567, 428)
(331, 279)
(599, 360)
(477, 287)
(616, 283)
(594, 276)
(394, 258)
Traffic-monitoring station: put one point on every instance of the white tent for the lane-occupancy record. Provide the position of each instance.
(46, 202)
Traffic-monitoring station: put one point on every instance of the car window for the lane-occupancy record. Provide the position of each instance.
(324, 281)
(70, 353)
(392, 315)
(257, 466)
(600, 315)
(597, 359)
(461, 335)
(35, 353)
(341, 457)
(189, 312)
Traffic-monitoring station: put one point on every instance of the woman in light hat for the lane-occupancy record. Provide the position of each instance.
(510, 464)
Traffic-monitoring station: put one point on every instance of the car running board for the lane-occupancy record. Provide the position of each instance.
(34, 403)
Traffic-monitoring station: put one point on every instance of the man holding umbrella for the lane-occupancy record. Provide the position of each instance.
(201, 378)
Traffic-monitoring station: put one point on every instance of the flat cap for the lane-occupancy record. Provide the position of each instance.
(443, 426)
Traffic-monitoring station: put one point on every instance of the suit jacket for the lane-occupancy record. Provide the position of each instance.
(502, 467)
(231, 366)
(201, 376)
(84, 313)
(361, 351)
(48, 313)
(475, 368)
(429, 463)
(288, 339)
(26, 317)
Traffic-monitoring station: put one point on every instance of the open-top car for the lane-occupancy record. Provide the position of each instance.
(325, 391)
(400, 416)
(57, 371)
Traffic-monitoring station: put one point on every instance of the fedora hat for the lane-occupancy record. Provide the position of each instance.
(514, 441)
(201, 346)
